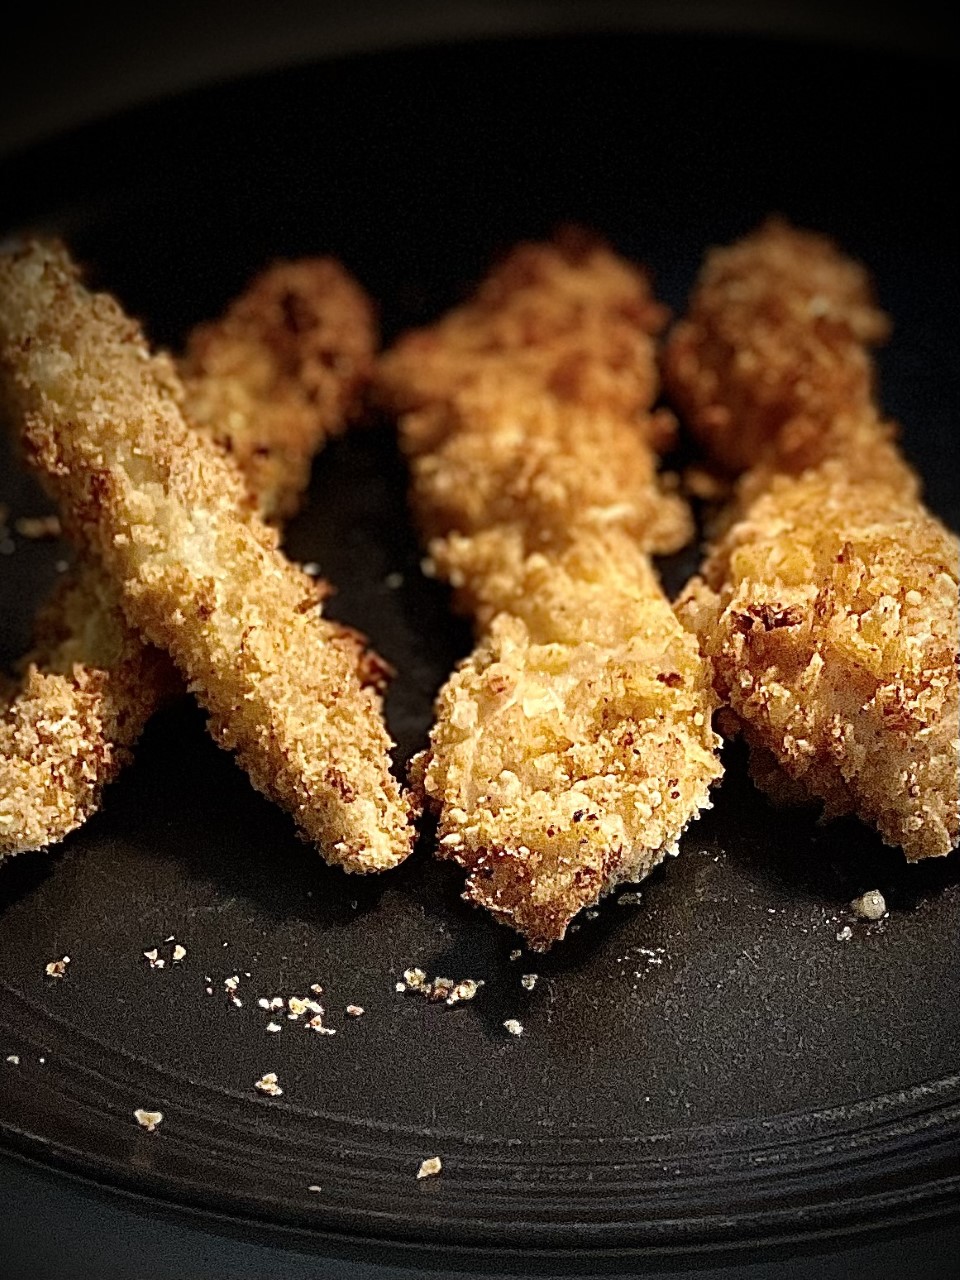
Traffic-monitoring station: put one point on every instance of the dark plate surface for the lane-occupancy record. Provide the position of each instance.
(710, 1067)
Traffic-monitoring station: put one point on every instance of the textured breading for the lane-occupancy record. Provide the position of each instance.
(281, 371)
(197, 575)
(829, 603)
(772, 358)
(66, 729)
(566, 316)
(90, 684)
(830, 613)
(572, 747)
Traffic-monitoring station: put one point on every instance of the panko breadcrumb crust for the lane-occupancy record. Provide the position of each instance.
(196, 573)
(829, 604)
(572, 747)
(269, 382)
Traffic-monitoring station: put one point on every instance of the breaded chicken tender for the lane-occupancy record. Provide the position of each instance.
(773, 356)
(830, 613)
(279, 373)
(269, 382)
(574, 744)
(101, 419)
(828, 605)
(566, 316)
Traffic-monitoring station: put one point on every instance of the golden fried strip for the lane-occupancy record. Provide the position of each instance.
(574, 744)
(772, 358)
(162, 507)
(829, 605)
(280, 372)
(269, 382)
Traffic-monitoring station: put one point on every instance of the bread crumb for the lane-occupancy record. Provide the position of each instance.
(268, 1084)
(178, 953)
(870, 906)
(529, 981)
(13, 1059)
(355, 1010)
(430, 1167)
(514, 1027)
(314, 1187)
(57, 968)
(845, 934)
(148, 1119)
(274, 1027)
(516, 954)
(630, 898)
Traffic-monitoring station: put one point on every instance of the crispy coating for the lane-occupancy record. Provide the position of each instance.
(828, 605)
(68, 727)
(199, 577)
(282, 370)
(830, 613)
(575, 743)
(566, 316)
(771, 363)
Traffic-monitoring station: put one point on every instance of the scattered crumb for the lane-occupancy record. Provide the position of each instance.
(41, 1061)
(529, 981)
(311, 569)
(430, 1167)
(514, 1027)
(448, 990)
(845, 934)
(516, 954)
(870, 906)
(355, 1010)
(57, 968)
(38, 527)
(148, 1119)
(591, 914)
(316, 988)
(630, 898)
(178, 953)
(274, 1027)
(156, 960)
(13, 1059)
(399, 987)
(314, 1187)
(268, 1084)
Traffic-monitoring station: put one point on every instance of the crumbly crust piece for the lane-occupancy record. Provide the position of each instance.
(162, 507)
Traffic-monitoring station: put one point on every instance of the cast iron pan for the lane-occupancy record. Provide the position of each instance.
(710, 1069)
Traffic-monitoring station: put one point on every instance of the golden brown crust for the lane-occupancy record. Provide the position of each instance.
(830, 614)
(574, 744)
(101, 418)
(565, 316)
(829, 603)
(66, 729)
(772, 358)
(282, 370)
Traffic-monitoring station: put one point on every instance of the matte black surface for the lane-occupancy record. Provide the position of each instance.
(710, 1068)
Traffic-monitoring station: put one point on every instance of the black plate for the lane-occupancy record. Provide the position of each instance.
(710, 1068)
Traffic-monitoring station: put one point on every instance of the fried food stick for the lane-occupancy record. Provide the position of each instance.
(829, 605)
(276, 375)
(572, 747)
(198, 575)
